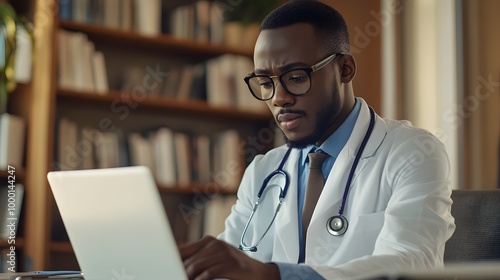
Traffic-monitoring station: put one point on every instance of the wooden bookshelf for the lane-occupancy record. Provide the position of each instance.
(171, 105)
(163, 44)
(19, 243)
(19, 173)
(43, 103)
(196, 188)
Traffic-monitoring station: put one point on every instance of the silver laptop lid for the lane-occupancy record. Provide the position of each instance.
(117, 224)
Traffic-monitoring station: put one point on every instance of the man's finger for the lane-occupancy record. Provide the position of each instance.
(188, 250)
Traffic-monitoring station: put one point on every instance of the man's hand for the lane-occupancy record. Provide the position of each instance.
(211, 258)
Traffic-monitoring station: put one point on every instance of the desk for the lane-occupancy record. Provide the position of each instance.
(458, 271)
(455, 271)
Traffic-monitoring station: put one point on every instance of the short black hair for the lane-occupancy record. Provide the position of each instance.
(328, 23)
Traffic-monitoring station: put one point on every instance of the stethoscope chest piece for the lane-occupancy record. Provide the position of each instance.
(337, 225)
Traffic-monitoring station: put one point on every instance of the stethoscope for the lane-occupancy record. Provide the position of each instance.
(336, 225)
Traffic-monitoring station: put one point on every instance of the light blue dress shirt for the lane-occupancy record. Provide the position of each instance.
(332, 146)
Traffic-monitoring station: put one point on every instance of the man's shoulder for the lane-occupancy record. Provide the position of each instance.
(403, 134)
(403, 130)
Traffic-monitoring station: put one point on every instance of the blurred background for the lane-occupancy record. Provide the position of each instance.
(108, 83)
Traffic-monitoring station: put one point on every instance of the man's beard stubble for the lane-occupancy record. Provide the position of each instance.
(323, 120)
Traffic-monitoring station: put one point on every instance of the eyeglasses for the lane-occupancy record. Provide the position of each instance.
(296, 81)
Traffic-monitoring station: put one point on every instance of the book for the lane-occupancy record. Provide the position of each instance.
(171, 86)
(87, 144)
(163, 142)
(87, 79)
(216, 212)
(80, 10)
(180, 22)
(12, 140)
(112, 14)
(99, 73)
(95, 13)
(228, 160)
(67, 156)
(65, 78)
(203, 158)
(183, 157)
(141, 151)
(23, 58)
(65, 10)
(81, 66)
(225, 85)
(215, 96)
(148, 17)
(185, 83)
(216, 23)
(202, 26)
(77, 42)
(11, 201)
(108, 151)
(126, 14)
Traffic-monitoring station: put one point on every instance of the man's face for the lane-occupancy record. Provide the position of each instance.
(310, 118)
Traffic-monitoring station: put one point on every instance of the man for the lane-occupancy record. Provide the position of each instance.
(385, 203)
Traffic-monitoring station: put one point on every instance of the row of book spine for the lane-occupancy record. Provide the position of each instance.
(202, 20)
(12, 141)
(81, 66)
(218, 81)
(174, 157)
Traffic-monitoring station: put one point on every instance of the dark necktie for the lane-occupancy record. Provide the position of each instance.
(314, 187)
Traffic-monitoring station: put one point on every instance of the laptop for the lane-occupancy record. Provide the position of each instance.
(116, 223)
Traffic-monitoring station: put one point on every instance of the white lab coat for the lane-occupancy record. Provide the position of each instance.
(398, 206)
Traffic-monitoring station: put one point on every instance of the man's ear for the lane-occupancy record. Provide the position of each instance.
(348, 68)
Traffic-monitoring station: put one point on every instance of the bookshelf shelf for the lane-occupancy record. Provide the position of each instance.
(4, 174)
(163, 104)
(19, 243)
(165, 44)
(195, 188)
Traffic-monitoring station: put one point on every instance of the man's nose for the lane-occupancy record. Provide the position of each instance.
(281, 98)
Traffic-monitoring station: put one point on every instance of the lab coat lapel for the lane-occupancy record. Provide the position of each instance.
(287, 235)
(378, 134)
(333, 191)
(330, 200)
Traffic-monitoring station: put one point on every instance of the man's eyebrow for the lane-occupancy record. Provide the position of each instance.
(282, 69)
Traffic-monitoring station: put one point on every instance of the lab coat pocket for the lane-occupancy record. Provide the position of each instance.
(369, 222)
(364, 232)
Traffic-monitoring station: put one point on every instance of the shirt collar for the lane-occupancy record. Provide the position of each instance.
(337, 140)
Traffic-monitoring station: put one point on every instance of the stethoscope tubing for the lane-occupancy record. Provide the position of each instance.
(356, 161)
(282, 196)
(340, 216)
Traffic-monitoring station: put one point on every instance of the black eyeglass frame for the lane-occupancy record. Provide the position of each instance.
(308, 70)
